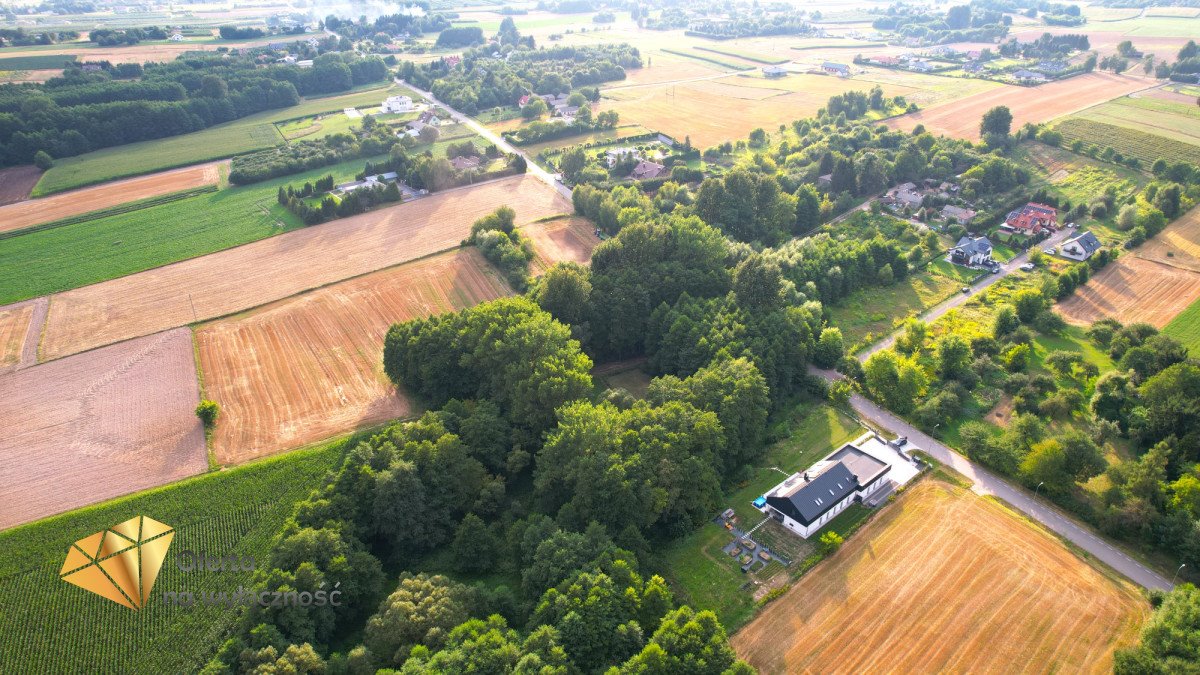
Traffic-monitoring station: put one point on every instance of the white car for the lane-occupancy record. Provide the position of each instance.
(1049, 251)
(1027, 267)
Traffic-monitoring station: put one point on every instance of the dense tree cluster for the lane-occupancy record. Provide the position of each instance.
(1170, 641)
(501, 243)
(407, 24)
(83, 111)
(231, 32)
(109, 37)
(305, 155)
(481, 82)
(974, 22)
(19, 37)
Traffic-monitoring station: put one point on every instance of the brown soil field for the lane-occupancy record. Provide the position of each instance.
(99, 425)
(76, 202)
(1040, 104)
(561, 240)
(947, 581)
(310, 367)
(14, 324)
(237, 279)
(1152, 283)
(16, 182)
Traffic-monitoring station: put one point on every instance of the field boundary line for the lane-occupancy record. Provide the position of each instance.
(120, 209)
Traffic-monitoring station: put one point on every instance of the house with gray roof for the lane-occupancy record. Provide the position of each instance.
(972, 252)
(1080, 247)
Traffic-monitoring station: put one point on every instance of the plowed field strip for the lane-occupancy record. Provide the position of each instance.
(309, 367)
(255, 274)
(561, 240)
(946, 581)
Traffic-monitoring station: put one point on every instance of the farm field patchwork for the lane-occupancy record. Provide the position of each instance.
(254, 132)
(1152, 283)
(33, 212)
(236, 511)
(960, 118)
(945, 580)
(248, 276)
(99, 425)
(561, 240)
(309, 367)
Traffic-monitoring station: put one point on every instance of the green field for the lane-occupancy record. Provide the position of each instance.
(1129, 142)
(708, 58)
(255, 132)
(1186, 328)
(62, 258)
(39, 62)
(54, 627)
(872, 312)
(700, 572)
(1170, 119)
(741, 54)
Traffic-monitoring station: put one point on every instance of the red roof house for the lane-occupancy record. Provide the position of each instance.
(1032, 218)
(452, 60)
(523, 100)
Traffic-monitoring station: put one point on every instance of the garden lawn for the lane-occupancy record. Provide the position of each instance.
(62, 258)
(248, 134)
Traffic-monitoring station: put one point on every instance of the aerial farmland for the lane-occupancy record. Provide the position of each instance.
(597, 336)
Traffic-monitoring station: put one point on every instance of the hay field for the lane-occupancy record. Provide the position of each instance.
(264, 271)
(947, 581)
(310, 367)
(716, 110)
(99, 425)
(14, 325)
(35, 212)
(1152, 283)
(561, 240)
(1038, 104)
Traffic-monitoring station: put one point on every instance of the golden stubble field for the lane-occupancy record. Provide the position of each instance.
(98, 425)
(1152, 283)
(271, 269)
(947, 581)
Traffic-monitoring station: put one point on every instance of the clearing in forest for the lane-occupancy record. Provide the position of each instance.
(947, 581)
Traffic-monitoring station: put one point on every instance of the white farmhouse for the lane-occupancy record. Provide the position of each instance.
(1080, 247)
(397, 104)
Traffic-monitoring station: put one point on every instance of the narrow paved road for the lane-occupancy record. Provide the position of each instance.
(499, 141)
(937, 311)
(988, 483)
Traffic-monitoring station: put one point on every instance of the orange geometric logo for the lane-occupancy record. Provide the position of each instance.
(120, 563)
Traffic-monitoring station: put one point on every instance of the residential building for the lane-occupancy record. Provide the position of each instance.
(523, 100)
(972, 252)
(1028, 76)
(452, 60)
(464, 163)
(866, 470)
(1032, 218)
(839, 69)
(921, 66)
(397, 104)
(825, 182)
(647, 170)
(886, 60)
(611, 157)
(306, 63)
(773, 71)
(958, 214)
(176, 37)
(1080, 247)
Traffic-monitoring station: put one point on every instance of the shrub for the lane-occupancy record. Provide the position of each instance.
(208, 411)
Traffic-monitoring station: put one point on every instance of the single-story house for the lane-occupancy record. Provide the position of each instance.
(523, 100)
(1028, 76)
(921, 66)
(972, 252)
(773, 71)
(397, 104)
(1032, 219)
(176, 37)
(956, 213)
(839, 69)
(464, 163)
(886, 60)
(647, 170)
(566, 110)
(866, 469)
(1080, 247)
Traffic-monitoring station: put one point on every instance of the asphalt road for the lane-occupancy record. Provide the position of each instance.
(531, 167)
(987, 483)
(935, 312)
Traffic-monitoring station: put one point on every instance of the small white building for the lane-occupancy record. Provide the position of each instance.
(806, 501)
(614, 155)
(397, 104)
(176, 37)
(306, 63)
(1080, 247)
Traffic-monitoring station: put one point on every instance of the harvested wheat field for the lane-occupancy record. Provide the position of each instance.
(255, 274)
(14, 325)
(561, 240)
(947, 581)
(1152, 283)
(99, 425)
(85, 200)
(961, 118)
(16, 182)
(310, 367)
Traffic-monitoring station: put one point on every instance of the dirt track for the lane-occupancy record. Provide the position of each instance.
(16, 182)
(561, 240)
(255, 274)
(99, 425)
(1045, 102)
(37, 211)
(1152, 283)
(946, 581)
(310, 367)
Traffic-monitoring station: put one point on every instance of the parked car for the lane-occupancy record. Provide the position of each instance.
(1027, 267)
(1050, 251)
(966, 289)
(900, 442)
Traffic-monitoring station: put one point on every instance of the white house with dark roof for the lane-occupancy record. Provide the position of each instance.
(867, 469)
(972, 252)
(1080, 247)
